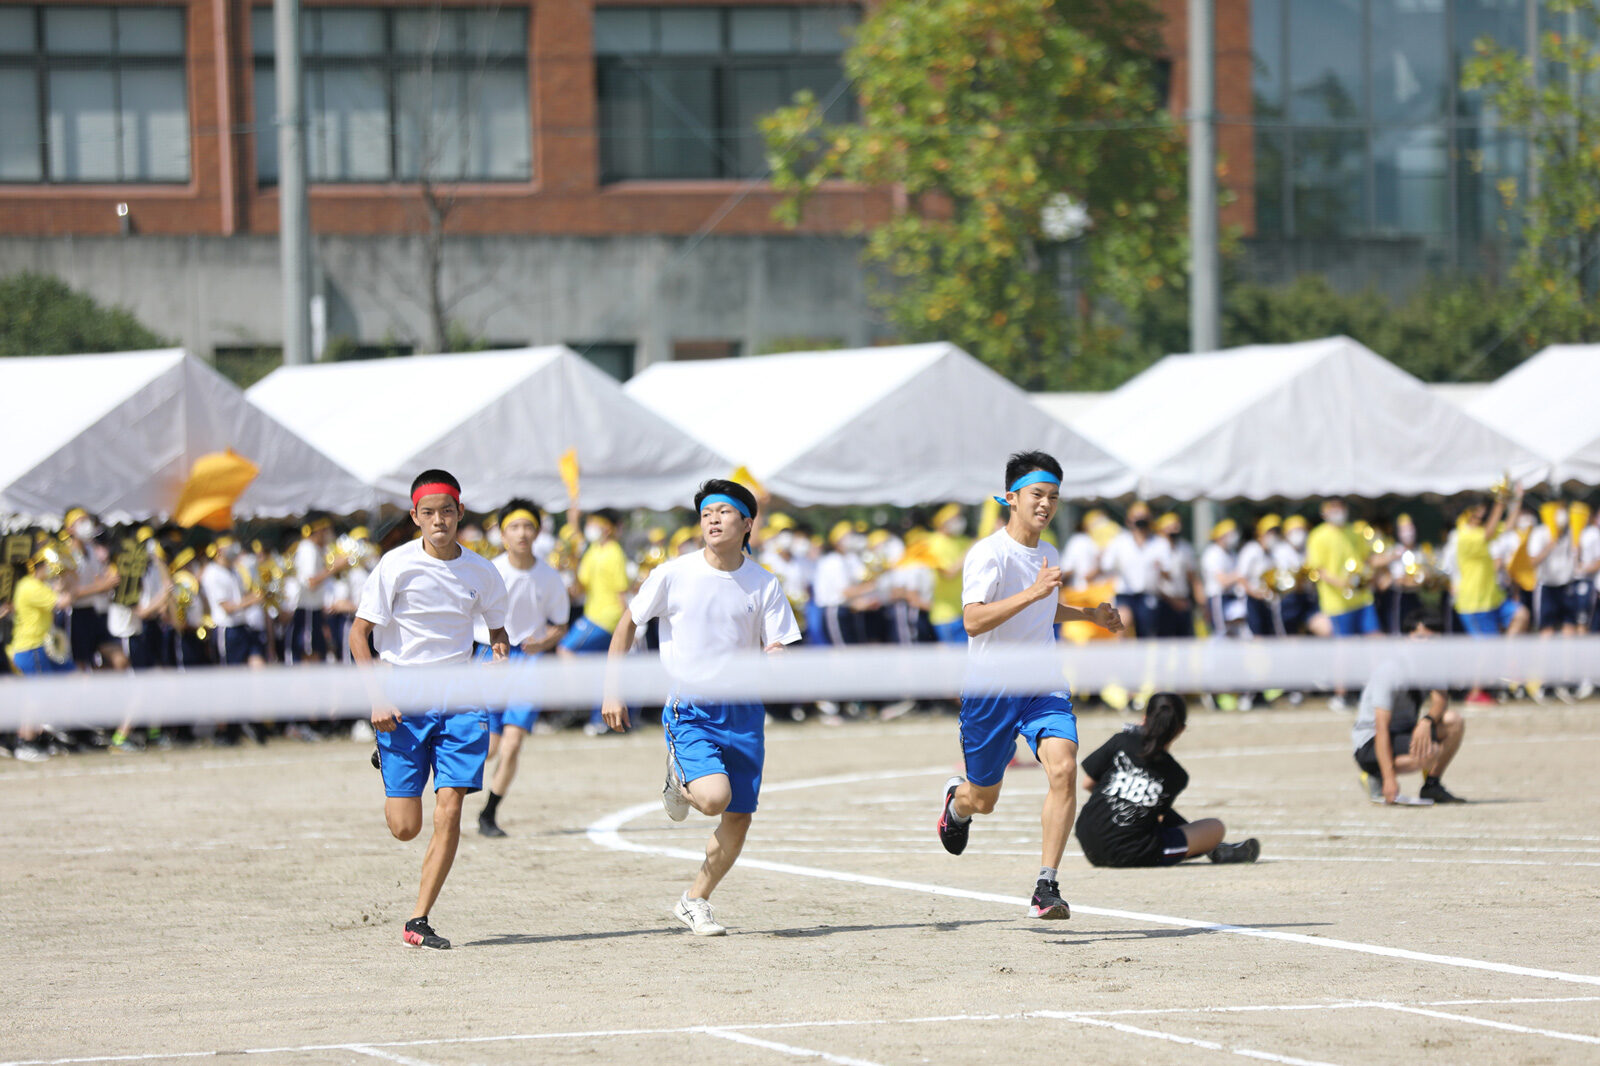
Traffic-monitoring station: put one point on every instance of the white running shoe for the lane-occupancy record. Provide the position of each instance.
(673, 800)
(696, 914)
(361, 731)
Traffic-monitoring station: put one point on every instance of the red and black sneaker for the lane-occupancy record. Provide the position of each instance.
(419, 934)
(952, 834)
(1047, 902)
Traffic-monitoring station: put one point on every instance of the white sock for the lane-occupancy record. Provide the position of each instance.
(1047, 873)
(954, 817)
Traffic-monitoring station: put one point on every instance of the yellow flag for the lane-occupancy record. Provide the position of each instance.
(215, 482)
(569, 471)
(744, 477)
(989, 518)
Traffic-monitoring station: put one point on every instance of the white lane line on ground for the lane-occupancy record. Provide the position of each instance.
(833, 1023)
(1209, 1045)
(388, 1056)
(1509, 1027)
(787, 1049)
(606, 833)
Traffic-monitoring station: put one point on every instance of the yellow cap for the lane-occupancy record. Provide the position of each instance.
(840, 531)
(1094, 517)
(183, 559)
(1402, 518)
(686, 533)
(877, 537)
(144, 534)
(1268, 522)
(1295, 521)
(72, 516)
(1140, 509)
(1169, 523)
(657, 535)
(361, 533)
(1223, 528)
(779, 522)
(945, 513)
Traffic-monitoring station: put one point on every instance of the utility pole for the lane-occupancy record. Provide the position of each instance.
(294, 229)
(1205, 298)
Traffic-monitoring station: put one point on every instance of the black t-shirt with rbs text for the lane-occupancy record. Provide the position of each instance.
(1121, 820)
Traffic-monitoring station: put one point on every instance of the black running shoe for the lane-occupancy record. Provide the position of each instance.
(1244, 851)
(419, 934)
(376, 764)
(1047, 902)
(487, 828)
(1435, 790)
(952, 834)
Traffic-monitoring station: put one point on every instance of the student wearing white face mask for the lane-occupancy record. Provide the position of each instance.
(1554, 556)
(1219, 572)
(1296, 608)
(90, 586)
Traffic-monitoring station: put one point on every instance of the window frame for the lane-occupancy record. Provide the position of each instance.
(42, 63)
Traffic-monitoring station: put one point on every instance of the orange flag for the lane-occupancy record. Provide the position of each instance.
(568, 466)
(215, 482)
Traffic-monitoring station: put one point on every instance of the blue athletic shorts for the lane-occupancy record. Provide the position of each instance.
(707, 738)
(951, 632)
(522, 715)
(990, 726)
(452, 747)
(585, 636)
(35, 661)
(1361, 622)
(1490, 623)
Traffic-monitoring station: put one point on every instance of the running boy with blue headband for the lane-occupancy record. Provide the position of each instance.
(1011, 595)
(713, 603)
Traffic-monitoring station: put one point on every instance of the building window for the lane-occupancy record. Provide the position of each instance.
(681, 88)
(614, 357)
(408, 94)
(93, 94)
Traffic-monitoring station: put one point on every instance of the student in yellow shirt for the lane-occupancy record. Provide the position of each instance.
(1480, 601)
(34, 603)
(948, 544)
(1337, 554)
(604, 581)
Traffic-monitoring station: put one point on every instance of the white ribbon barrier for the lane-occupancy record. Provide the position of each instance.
(799, 675)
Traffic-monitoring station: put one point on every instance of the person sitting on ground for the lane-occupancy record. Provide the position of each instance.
(1400, 730)
(1132, 780)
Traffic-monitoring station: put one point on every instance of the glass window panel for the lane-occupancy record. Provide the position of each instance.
(155, 126)
(1484, 160)
(623, 31)
(16, 31)
(1325, 61)
(624, 123)
(1410, 80)
(351, 125)
(826, 30)
(694, 31)
(1411, 172)
(1271, 157)
(425, 32)
(350, 33)
(683, 133)
(753, 93)
(266, 125)
(431, 134)
(1266, 56)
(498, 34)
(20, 157)
(767, 30)
(261, 40)
(150, 31)
(82, 126)
(823, 80)
(1330, 183)
(497, 145)
(614, 357)
(78, 29)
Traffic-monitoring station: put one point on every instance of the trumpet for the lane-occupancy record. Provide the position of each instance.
(58, 558)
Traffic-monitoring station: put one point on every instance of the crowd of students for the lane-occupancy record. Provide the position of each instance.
(85, 596)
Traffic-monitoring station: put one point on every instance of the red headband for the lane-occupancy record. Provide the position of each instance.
(434, 488)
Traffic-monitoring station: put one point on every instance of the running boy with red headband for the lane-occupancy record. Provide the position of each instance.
(1011, 596)
(418, 607)
(712, 603)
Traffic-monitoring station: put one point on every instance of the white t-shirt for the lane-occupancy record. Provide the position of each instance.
(423, 608)
(835, 573)
(91, 567)
(1080, 559)
(124, 622)
(309, 561)
(1286, 556)
(535, 598)
(1177, 578)
(1558, 565)
(1253, 563)
(709, 614)
(998, 567)
(1589, 549)
(221, 585)
(1216, 562)
(1136, 567)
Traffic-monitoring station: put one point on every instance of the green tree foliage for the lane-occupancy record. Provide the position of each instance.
(1555, 99)
(983, 113)
(42, 315)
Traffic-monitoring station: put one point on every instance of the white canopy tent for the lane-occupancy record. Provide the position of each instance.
(1551, 405)
(1317, 418)
(118, 434)
(902, 425)
(499, 421)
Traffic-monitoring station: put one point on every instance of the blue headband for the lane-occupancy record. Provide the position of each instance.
(1035, 478)
(718, 497)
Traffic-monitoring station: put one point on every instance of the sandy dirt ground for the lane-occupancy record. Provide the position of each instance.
(215, 902)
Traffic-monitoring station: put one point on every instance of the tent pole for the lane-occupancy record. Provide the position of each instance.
(1204, 267)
